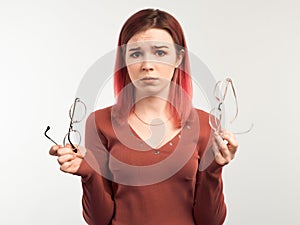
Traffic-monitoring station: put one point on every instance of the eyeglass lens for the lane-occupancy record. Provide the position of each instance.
(77, 111)
(73, 138)
(221, 90)
(215, 118)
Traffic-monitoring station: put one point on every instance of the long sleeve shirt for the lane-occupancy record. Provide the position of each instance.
(126, 182)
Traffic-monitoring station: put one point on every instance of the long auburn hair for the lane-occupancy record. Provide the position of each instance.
(181, 92)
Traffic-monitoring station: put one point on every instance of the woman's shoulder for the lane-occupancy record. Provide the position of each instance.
(201, 118)
(201, 114)
(201, 111)
(100, 116)
(106, 111)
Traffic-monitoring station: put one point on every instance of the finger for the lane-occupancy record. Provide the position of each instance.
(228, 135)
(74, 147)
(65, 158)
(80, 152)
(65, 166)
(222, 146)
(217, 154)
(215, 148)
(53, 149)
(231, 139)
(64, 151)
(68, 145)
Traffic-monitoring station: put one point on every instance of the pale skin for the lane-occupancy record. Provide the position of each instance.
(151, 44)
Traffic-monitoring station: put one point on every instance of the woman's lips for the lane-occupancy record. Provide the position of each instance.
(149, 78)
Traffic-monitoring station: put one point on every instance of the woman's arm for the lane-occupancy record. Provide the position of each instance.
(97, 200)
(209, 205)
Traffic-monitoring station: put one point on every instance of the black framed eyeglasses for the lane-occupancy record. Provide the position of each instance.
(216, 115)
(77, 113)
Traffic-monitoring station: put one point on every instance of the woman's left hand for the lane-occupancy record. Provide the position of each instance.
(224, 146)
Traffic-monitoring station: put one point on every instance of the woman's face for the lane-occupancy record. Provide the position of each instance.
(151, 59)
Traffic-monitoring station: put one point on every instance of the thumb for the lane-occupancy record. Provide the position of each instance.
(53, 149)
(74, 148)
(68, 145)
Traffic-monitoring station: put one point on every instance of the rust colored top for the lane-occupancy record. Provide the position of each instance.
(126, 182)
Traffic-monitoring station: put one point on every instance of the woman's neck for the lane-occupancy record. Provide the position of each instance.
(152, 107)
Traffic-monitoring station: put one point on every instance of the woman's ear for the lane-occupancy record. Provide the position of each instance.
(179, 58)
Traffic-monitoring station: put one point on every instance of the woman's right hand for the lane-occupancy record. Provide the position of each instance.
(68, 160)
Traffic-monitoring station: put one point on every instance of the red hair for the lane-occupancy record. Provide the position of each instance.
(181, 94)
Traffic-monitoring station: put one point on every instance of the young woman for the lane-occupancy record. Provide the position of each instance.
(151, 158)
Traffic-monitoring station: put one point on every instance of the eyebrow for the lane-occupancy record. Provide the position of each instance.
(134, 49)
(158, 47)
(155, 46)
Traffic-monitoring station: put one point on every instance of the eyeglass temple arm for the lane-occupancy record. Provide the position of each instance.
(45, 133)
(235, 98)
(246, 131)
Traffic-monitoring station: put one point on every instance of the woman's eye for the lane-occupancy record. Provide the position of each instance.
(160, 53)
(135, 54)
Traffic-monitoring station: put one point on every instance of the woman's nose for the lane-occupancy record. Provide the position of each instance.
(147, 66)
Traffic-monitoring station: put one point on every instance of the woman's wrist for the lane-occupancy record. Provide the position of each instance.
(84, 170)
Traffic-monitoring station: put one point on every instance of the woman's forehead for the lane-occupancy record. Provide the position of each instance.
(153, 34)
(143, 45)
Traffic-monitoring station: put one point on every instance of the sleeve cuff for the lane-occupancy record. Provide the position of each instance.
(85, 171)
(214, 167)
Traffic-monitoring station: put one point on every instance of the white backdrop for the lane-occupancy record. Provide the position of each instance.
(47, 46)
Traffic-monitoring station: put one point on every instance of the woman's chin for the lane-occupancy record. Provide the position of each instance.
(143, 91)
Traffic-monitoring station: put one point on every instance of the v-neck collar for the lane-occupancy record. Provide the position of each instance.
(172, 140)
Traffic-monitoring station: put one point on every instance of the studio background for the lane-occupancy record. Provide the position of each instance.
(46, 47)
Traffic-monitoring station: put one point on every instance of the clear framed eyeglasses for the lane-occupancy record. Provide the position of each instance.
(216, 115)
(77, 113)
